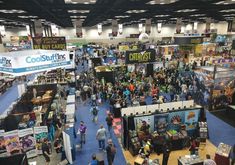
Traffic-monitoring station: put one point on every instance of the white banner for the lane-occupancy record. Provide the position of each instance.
(148, 26)
(208, 25)
(178, 25)
(38, 27)
(33, 61)
(78, 24)
(159, 27)
(114, 27)
(28, 142)
(40, 133)
(67, 147)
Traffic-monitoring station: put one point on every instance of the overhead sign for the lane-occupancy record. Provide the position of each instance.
(134, 57)
(33, 61)
(188, 40)
(49, 43)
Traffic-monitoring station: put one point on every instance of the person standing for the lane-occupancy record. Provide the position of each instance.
(111, 152)
(46, 151)
(166, 154)
(82, 131)
(109, 121)
(94, 161)
(208, 160)
(101, 136)
(94, 111)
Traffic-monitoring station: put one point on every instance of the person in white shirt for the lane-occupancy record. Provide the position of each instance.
(101, 136)
(209, 161)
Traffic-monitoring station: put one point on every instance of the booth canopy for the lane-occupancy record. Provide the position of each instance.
(33, 61)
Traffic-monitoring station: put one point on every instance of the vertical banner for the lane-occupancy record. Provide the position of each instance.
(178, 25)
(148, 119)
(120, 29)
(28, 142)
(195, 27)
(233, 25)
(3, 150)
(230, 25)
(159, 27)
(160, 123)
(54, 30)
(38, 28)
(148, 26)
(67, 147)
(208, 25)
(114, 28)
(12, 142)
(28, 30)
(78, 24)
(140, 27)
(40, 133)
(99, 28)
(191, 119)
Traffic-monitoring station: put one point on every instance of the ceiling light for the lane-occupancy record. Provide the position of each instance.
(135, 11)
(173, 18)
(122, 16)
(227, 11)
(186, 10)
(78, 11)
(12, 11)
(161, 15)
(160, 2)
(80, 1)
(228, 15)
(197, 15)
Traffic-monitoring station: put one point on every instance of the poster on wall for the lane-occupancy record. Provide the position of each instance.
(67, 147)
(28, 142)
(25, 42)
(175, 119)
(148, 119)
(49, 43)
(191, 119)
(40, 133)
(135, 57)
(160, 123)
(3, 150)
(12, 142)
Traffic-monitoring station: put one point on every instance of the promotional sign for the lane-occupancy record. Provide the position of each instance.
(32, 61)
(148, 119)
(40, 133)
(114, 27)
(3, 150)
(49, 43)
(188, 40)
(28, 142)
(135, 57)
(175, 119)
(25, 42)
(123, 48)
(160, 123)
(79, 28)
(67, 147)
(12, 142)
(191, 119)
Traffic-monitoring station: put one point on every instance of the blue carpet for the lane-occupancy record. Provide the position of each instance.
(8, 97)
(84, 156)
(219, 131)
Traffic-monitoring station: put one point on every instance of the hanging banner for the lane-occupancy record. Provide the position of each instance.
(188, 40)
(208, 25)
(33, 61)
(38, 28)
(135, 57)
(49, 43)
(148, 119)
(159, 27)
(233, 25)
(195, 24)
(120, 29)
(28, 142)
(12, 142)
(148, 26)
(40, 133)
(78, 25)
(178, 25)
(191, 119)
(114, 28)
(3, 150)
(160, 123)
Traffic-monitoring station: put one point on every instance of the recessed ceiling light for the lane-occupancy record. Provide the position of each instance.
(186, 10)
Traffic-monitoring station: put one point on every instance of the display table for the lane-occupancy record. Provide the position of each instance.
(139, 161)
(70, 113)
(190, 160)
(222, 154)
(71, 99)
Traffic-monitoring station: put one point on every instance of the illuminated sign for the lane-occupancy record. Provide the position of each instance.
(146, 56)
(49, 43)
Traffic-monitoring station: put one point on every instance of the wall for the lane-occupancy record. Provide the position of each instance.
(90, 34)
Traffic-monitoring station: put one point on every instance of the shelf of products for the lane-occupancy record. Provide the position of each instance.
(134, 143)
(222, 154)
(203, 131)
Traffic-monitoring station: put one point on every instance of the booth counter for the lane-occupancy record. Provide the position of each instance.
(222, 154)
(190, 160)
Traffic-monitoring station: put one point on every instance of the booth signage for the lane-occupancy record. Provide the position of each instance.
(133, 57)
(49, 43)
(188, 40)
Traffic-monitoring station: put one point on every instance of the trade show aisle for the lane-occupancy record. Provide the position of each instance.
(91, 147)
(219, 131)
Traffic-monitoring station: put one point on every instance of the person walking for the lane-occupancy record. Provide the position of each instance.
(101, 136)
(82, 132)
(46, 151)
(111, 152)
(166, 154)
(109, 121)
(94, 112)
(93, 100)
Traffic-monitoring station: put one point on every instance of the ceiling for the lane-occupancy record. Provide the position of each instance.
(64, 12)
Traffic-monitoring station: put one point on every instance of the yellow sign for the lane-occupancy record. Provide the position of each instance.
(123, 48)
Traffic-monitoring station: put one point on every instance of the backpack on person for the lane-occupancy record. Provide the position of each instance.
(113, 149)
(95, 111)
